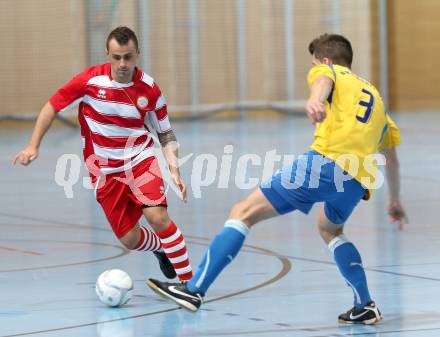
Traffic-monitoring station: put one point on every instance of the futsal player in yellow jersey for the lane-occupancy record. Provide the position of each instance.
(356, 123)
(339, 170)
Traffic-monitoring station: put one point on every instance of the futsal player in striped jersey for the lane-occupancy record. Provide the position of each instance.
(115, 101)
(339, 171)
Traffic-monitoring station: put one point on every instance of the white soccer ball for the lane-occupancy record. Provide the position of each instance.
(114, 287)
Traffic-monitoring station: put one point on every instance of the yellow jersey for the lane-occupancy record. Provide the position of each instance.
(356, 125)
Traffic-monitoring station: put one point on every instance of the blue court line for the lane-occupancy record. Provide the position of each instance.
(366, 268)
(14, 313)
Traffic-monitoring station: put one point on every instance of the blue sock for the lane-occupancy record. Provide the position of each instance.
(349, 262)
(220, 253)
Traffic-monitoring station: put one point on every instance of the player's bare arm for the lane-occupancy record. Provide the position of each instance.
(170, 150)
(319, 92)
(44, 121)
(395, 209)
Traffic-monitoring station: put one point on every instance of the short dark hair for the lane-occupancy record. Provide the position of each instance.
(122, 35)
(334, 46)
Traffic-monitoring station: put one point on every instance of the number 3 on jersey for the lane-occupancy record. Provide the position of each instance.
(368, 105)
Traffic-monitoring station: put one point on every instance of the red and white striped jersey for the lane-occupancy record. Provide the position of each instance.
(113, 116)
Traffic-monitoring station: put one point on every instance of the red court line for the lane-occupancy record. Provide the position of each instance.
(19, 251)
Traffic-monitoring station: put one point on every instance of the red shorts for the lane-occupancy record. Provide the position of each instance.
(123, 195)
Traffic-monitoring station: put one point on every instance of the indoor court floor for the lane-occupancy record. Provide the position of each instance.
(284, 282)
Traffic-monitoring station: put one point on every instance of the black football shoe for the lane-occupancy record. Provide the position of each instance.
(369, 314)
(165, 265)
(178, 293)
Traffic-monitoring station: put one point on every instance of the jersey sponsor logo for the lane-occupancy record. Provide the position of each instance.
(102, 93)
(142, 102)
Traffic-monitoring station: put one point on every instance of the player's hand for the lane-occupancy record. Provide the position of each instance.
(178, 180)
(316, 110)
(26, 156)
(397, 213)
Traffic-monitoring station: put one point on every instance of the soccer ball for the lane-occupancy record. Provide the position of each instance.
(114, 287)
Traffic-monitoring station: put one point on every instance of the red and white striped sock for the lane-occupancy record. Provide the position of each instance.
(149, 241)
(175, 248)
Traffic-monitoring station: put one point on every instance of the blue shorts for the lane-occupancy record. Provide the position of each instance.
(314, 178)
